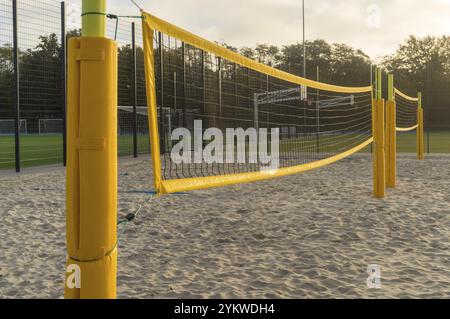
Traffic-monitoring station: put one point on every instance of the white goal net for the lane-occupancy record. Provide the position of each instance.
(125, 120)
(7, 126)
(50, 126)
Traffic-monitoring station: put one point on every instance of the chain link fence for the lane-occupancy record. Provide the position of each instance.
(32, 121)
(33, 35)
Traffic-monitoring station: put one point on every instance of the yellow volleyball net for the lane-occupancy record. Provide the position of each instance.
(409, 117)
(404, 115)
(205, 88)
(406, 109)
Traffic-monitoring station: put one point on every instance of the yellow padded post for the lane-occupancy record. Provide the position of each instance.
(379, 154)
(391, 136)
(419, 133)
(92, 166)
(379, 141)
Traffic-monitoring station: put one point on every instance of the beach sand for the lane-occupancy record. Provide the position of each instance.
(304, 236)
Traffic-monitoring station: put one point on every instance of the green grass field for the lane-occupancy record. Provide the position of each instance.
(47, 149)
(36, 150)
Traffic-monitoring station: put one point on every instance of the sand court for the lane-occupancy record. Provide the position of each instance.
(310, 235)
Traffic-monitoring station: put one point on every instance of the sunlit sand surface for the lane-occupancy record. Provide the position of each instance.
(305, 236)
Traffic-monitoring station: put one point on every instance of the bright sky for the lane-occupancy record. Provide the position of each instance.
(375, 26)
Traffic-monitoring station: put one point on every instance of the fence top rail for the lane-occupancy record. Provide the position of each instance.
(155, 23)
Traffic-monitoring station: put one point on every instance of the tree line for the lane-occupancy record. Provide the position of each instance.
(419, 64)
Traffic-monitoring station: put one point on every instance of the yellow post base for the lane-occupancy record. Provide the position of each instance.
(391, 144)
(92, 167)
(379, 154)
(98, 278)
(419, 134)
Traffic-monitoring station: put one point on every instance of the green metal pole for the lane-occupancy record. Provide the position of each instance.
(94, 18)
(419, 96)
(379, 85)
(420, 146)
(391, 87)
(373, 81)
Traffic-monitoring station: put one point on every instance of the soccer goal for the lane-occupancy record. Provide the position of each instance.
(125, 119)
(7, 126)
(50, 126)
(298, 94)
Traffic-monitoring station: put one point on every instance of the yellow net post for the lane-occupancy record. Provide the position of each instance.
(419, 133)
(391, 136)
(149, 63)
(93, 22)
(92, 160)
(379, 141)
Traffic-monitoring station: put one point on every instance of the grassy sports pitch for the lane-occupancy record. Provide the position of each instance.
(36, 150)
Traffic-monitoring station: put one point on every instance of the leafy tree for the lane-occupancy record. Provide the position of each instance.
(247, 52)
(267, 54)
(40, 78)
(419, 64)
(349, 66)
(6, 77)
(423, 64)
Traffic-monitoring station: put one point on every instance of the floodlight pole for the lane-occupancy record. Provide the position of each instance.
(63, 55)
(318, 114)
(92, 159)
(134, 97)
(16, 81)
(428, 105)
(304, 39)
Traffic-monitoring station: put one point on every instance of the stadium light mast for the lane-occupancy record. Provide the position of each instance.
(304, 39)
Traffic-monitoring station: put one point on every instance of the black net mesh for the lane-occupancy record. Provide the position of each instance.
(406, 117)
(193, 85)
(41, 66)
(406, 112)
(121, 30)
(7, 114)
(41, 86)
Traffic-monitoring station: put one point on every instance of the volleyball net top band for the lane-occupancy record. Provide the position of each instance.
(197, 84)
